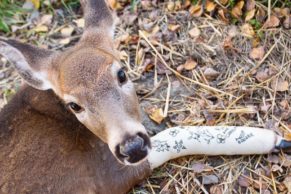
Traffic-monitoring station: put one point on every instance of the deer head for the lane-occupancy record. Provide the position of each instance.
(91, 82)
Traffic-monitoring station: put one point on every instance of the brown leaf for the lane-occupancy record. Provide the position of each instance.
(222, 15)
(250, 14)
(223, 2)
(194, 32)
(237, 9)
(157, 115)
(196, 10)
(280, 86)
(250, 5)
(173, 27)
(262, 76)
(67, 31)
(257, 53)
(210, 73)
(198, 167)
(210, 6)
(209, 179)
(261, 15)
(247, 30)
(243, 181)
(190, 64)
(272, 22)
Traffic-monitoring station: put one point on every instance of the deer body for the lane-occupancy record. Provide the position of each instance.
(44, 149)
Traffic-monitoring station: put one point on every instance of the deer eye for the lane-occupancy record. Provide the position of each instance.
(75, 107)
(121, 75)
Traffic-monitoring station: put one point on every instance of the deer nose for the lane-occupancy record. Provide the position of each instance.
(134, 149)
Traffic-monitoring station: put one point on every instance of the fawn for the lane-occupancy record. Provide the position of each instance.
(45, 144)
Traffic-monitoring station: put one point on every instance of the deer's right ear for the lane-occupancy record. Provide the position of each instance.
(32, 63)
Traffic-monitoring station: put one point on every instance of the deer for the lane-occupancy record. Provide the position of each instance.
(75, 125)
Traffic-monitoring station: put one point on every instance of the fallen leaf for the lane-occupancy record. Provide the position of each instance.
(272, 22)
(250, 14)
(262, 76)
(190, 64)
(250, 5)
(287, 183)
(173, 27)
(67, 31)
(171, 6)
(45, 20)
(157, 115)
(243, 181)
(210, 73)
(196, 10)
(198, 167)
(41, 28)
(210, 6)
(280, 86)
(247, 30)
(209, 179)
(194, 32)
(223, 2)
(261, 15)
(257, 53)
(237, 9)
(221, 13)
(80, 22)
(65, 41)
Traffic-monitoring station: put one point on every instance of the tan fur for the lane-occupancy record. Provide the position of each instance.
(44, 149)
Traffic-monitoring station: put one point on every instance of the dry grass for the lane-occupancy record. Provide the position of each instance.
(233, 97)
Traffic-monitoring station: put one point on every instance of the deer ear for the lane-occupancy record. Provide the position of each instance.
(32, 63)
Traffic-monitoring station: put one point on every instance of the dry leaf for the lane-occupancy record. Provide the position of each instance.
(210, 73)
(45, 20)
(194, 32)
(237, 9)
(209, 179)
(171, 6)
(250, 14)
(280, 86)
(157, 115)
(80, 22)
(262, 76)
(65, 41)
(247, 30)
(196, 10)
(67, 31)
(41, 28)
(257, 53)
(198, 167)
(210, 6)
(223, 2)
(190, 64)
(222, 15)
(243, 181)
(173, 27)
(272, 22)
(250, 5)
(287, 183)
(261, 15)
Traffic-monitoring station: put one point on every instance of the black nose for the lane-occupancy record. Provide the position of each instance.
(133, 149)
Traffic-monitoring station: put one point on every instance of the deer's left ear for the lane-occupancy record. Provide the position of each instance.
(32, 63)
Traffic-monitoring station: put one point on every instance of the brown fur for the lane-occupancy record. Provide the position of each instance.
(44, 149)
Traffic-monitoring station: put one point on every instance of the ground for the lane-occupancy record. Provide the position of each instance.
(191, 70)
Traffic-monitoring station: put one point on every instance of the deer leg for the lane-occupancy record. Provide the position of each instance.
(215, 140)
